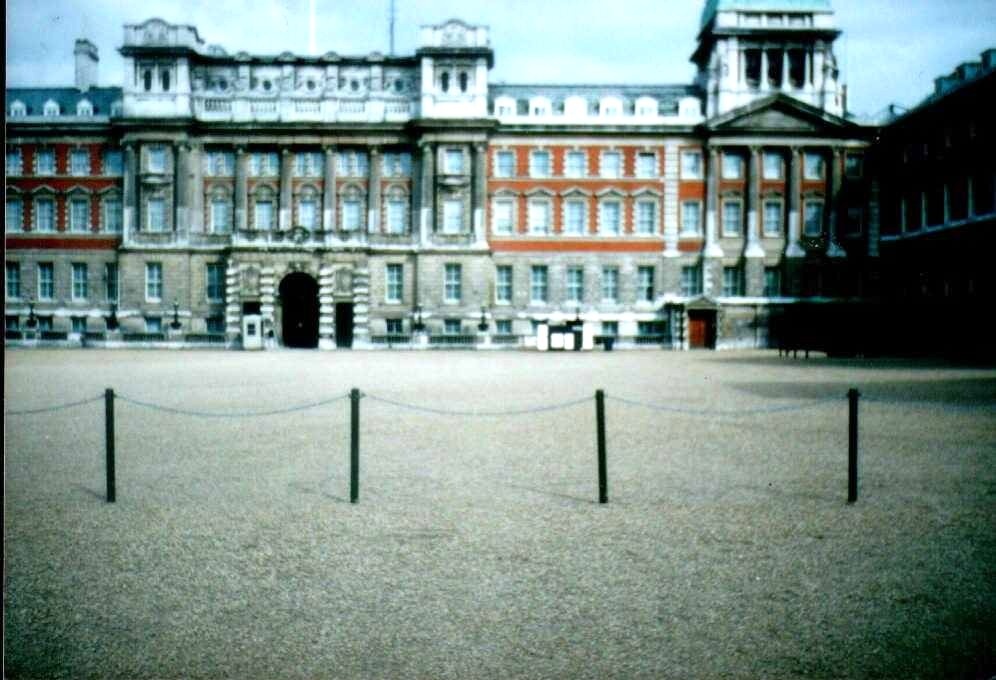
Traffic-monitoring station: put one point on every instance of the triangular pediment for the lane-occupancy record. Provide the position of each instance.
(779, 114)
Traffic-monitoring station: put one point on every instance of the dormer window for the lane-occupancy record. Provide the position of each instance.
(575, 106)
(539, 106)
(50, 108)
(84, 108)
(610, 106)
(18, 109)
(646, 107)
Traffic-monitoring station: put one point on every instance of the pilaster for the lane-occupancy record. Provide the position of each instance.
(267, 303)
(753, 248)
(373, 193)
(833, 196)
(233, 310)
(130, 212)
(196, 189)
(712, 247)
(479, 192)
(181, 173)
(670, 182)
(361, 307)
(286, 173)
(427, 153)
(793, 248)
(328, 191)
(241, 190)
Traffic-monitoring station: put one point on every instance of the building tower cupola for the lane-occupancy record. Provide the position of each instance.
(749, 49)
(86, 64)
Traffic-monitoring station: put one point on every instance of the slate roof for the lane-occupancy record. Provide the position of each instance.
(67, 98)
(667, 96)
(713, 6)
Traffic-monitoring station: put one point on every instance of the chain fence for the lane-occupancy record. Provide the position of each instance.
(57, 407)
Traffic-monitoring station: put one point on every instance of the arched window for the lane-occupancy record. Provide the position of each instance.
(444, 81)
(147, 79)
(164, 78)
(18, 109)
(463, 81)
(84, 108)
(50, 108)
(396, 208)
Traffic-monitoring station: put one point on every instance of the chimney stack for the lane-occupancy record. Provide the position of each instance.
(86, 64)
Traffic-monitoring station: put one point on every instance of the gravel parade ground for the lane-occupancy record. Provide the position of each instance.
(478, 548)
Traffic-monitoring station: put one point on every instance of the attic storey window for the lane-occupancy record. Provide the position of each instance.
(147, 79)
(164, 80)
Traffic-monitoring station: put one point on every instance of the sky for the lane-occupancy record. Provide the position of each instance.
(889, 53)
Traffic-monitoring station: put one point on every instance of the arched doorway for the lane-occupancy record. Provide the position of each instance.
(299, 310)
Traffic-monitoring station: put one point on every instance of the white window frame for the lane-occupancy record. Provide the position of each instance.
(501, 156)
(539, 282)
(112, 215)
(221, 208)
(776, 274)
(725, 231)
(397, 215)
(813, 166)
(641, 160)
(686, 229)
(691, 280)
(732, 166)
(270, 217)
(773, 165)
(500, 226)
(80, 281)
(540, 170)
(306, 205)
(572, 169)
(75, 226)
(352, 214)
(766, 229)
(79, 162)
(453, 216)
(209, 284)
(452, 283)
(806, 231)
(156, 160)
(308, 164)
(734, 288)
(394, 283)
(640, 227)
(48, 166)
(14, 162)
(14, 215)
(46, 281)
(688, 172)
(503, 327)
(52, 225)
(610, 164)
(603, 224)
(153, 281)
(536, 208)
(646, 286)
(569, 228)
(453, 161)
(503, 284)
(610, 284)
(575, 284)
(111, 282)
(12, 277)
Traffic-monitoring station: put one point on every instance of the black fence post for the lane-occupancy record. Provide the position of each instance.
(852, 445)
(109, 441)
(603, 482)
(354, 445)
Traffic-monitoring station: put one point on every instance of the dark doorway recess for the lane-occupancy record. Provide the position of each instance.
(299, 306)
(701, 329)
(344, 324)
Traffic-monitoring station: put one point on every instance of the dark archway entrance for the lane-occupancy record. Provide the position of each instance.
(299, 309)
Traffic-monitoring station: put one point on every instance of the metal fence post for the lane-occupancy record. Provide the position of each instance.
(354, 445)
(852, 445)
(603, 482)
(109, 442)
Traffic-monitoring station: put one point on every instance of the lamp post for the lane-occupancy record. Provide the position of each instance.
(175, 324)
(483, 323)
(112, 320)
(417, 324)
(32, 319)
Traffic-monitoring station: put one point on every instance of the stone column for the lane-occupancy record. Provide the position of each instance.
(241, 190)
(373, 192)
(754, 248)
(130, 211)
(286, 173)
(328, 191)
(793, 248)
(764, 69)
(427, 222)
(712, 247)
(833, 195)
(196, 190)
(479, 192)
(785, 68)
(181, 173)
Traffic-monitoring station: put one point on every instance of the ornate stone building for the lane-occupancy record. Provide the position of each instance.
(358, 201)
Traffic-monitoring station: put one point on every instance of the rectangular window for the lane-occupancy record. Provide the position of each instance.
(646, 165)
(610, 284)
(813, 218)
(78, 324)
(394, 326)
(645, 283)
(397, 164)
(452, 287)
(539, 216)
(113, 163)
(503, 212)
(574, 164)
(732, 222)
(157, 159)
(733, 166)
(308, 164)
(772, 282)
(14, 217)
(394, 287)
(691, 217)
(733, 281)
(772, 218)
(609, 218)
(153, 281)
(12, 322)
(691, 280)
(539, 164)
(220, 223)
(352, 163)
(503, 284)
(854, 165)
(575, 284)
(691, 165)
(45, 214)
(351, 215)
(264, 164)
(452, 216)
(44, 323)
(13, 278)
(46, 280)
(79, 162)
(111, 282)
(80, 282)
(538, 290)
(453, 162)
(452, 327)
(153, 324)
(157, 214)
(397, 209)
(112, 216)
(610, 328)
(646, 218)
(575, 217)
(812, 166)
(215, 282)
(215, 324)
(79, 215)
(263, 215)
(503, 326)
(611, 164)
(14, 162)
(45, 162)
(504, 164)
(772, 165)
(307, 214)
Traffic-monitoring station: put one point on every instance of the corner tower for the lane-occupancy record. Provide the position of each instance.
(749, 49)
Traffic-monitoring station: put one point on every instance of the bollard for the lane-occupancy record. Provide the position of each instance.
(109, 441)
(354, 445)
(852, 445)
(603, 483)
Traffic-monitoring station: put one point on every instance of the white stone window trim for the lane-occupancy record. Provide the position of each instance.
(772, 176)
(646, 198)
(641, 286)
(18, 109)
(19, 226)
(50, 109)
(765, 201)
(575, 197)
(45, 153)
(683, 229)
(453, 160)
(13, 288)
(569, 271)
(74, 196)
(535, 171)
(149, 227)
(604, 278)
(499, 286)
(84, 281)
(153, 154)
(79, 162)
(14, 162)
(646, 107)
(820, 174)
(153, 284)
(504, 199)
(394, 196)
(220, 196)
(540, 106)
(534, 270)
(496, 160)
(610, 107)
(607, 197)
(655, 166)
(352, 194)
(452, 283)
(583, 172)
(806, 202)
(731, 201)
(105, 166)
(690, 175)
(389, 284)
(47, 195)
(45, 285)
(544, 201)
(84, 108)
(453, 215)
(731, 165)
(603, 170)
